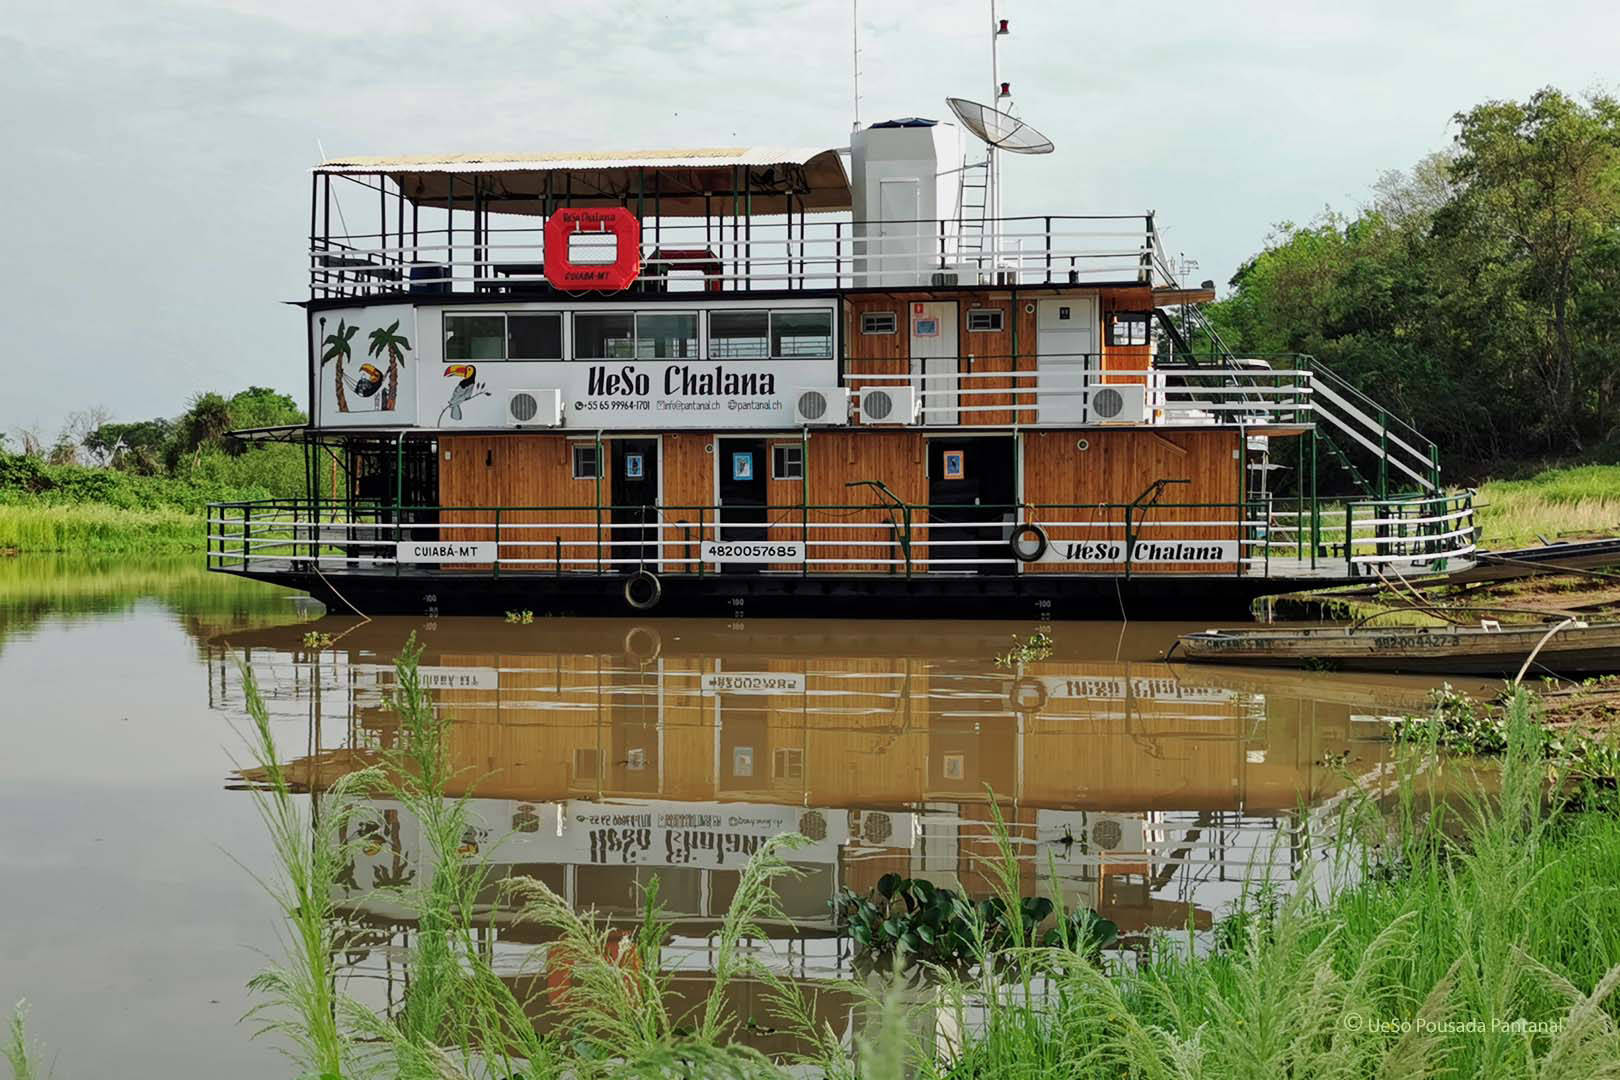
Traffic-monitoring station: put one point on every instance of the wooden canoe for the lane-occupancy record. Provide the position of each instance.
(1572, 648)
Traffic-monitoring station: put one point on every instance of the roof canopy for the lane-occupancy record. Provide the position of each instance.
(669, 183)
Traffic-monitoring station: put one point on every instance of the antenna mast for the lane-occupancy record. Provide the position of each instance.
(999, 92)
(855, 55)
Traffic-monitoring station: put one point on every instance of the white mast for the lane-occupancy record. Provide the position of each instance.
(855, 55)
(992, 178)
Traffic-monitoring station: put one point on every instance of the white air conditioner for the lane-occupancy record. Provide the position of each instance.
(821, 405)
(534, 408)
(1123, 403)
(890, 405)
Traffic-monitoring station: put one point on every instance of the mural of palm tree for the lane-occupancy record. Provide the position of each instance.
(395, 345)
(337, 348)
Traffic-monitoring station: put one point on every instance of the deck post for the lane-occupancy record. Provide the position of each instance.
(906, 543)
(1383, 454)
(1349, 550)
(1130, 548)
(1316, 506)
(495, 567)
(804, 497)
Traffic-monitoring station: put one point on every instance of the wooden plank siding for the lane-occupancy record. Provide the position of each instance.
(1012, 349)
(1116, 467)
(517, 471)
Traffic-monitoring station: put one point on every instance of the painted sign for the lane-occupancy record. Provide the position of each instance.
(692, 834)
(955, 464)
(752, 551)
(366, 365)
(752, 682)
(742, 465)
(446, 551)
(1142, 552)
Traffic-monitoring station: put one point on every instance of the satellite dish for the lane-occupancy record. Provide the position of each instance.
(998, 129)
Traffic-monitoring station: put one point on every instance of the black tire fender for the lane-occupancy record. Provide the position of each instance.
(643, 590)
(1028, 542)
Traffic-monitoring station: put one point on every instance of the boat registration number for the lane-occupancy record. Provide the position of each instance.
(726, 551)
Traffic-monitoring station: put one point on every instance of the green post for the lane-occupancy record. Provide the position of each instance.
(1130, 545)
(495, 566)
(1349, 522)
(804, 497)
(905, 543)
(1316, 506)
(1383, 454)
(600, 464)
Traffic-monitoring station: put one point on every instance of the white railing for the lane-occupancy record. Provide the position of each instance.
(1067, 389)
(1263, 539)
(747, 254)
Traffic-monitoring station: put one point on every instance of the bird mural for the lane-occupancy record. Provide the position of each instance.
(464, 391)
(369, 381)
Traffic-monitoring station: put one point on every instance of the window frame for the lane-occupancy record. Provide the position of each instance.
(506, 357)
(444, 333)
(999, 313)
(770, 313)
(1118, 319)
(596, 461)
(785, 449)
(892, 316)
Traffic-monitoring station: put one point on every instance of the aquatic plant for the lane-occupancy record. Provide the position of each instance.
(1038, 646)
(520, 617)
(22, 1058)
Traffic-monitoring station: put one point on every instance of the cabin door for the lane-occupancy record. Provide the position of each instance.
(1067, 358)
(972, 503)
(743, 502)
(933, 358)
(634, 495)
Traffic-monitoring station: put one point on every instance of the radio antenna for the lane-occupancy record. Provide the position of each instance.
(855, 55)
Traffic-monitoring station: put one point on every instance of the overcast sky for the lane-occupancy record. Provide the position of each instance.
(156, 153)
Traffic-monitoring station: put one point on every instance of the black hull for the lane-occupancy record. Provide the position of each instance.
(1024, 597)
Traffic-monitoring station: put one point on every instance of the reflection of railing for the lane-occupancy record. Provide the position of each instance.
(1256, 539)
(768, 253)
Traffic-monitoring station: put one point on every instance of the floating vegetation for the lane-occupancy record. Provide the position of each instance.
(521, 617)
(1038, 646)
(315, 639)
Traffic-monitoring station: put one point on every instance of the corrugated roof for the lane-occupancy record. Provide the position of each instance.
(683, 182)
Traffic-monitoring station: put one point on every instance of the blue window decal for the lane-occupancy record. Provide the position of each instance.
(742, 465)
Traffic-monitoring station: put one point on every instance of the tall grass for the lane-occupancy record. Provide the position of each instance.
(91, 528)
(1580, 500)
(22, 1058)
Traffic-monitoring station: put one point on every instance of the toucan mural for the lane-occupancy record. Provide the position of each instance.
(464, 391)
(380, 390)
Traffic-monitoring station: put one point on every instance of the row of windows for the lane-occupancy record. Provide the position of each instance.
(1124, 327)
(636, 335)
(787, 462)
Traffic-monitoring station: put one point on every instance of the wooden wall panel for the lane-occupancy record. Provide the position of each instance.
(688, 483)
(1124, 357)
(1116, 468)
(986, 351)
(880, 354)
(838, 457)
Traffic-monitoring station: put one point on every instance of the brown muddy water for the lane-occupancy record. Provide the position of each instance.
(600, 753)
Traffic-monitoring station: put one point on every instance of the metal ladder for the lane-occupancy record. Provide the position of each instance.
(972, 195)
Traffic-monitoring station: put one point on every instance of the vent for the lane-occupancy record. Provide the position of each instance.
(889, 405)
(523, 407)
(817, 405)
(876, 828)
(813, 825)
(534, 408)
(1107, 834)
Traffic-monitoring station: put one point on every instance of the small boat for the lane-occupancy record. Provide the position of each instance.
(1570, 647)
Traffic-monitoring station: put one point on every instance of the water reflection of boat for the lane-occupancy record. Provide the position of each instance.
(600, 755)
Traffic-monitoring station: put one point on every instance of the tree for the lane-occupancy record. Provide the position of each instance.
(1538, 196)
(262, 407)
(394, 345)
(338, 350)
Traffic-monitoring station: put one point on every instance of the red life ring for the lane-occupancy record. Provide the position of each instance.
(608, 277)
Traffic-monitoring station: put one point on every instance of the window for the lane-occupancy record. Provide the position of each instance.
(740, 335)
(625, 335)
(879, 322)
(587, 763)
(767, 335)
(585, 461)
(666, 337)
(787, 462)
(796, 334)
(475, 337)
(608, 336)
(534, 337)
(984, 320)
(1128, 328)
(787, 763)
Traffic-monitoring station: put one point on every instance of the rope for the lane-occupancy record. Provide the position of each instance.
(1533, 652)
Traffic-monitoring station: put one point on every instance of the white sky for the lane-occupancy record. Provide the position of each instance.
(156, 196)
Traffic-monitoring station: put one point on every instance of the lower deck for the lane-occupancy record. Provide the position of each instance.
(1064, 523)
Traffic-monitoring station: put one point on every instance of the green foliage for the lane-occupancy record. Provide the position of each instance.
(22, 1057)
(1038, 646)
(1478, 295)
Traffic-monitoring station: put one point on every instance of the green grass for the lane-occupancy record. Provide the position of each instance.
(97, 528)
(1577, 500)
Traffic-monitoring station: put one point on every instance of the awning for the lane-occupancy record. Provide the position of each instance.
(668, 183)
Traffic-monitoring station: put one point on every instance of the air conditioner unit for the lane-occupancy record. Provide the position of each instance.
(821, 405)
(1117, 834)
(534, 408)
(1125, 403)
(890, 405)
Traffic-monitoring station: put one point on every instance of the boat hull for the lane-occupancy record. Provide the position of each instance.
(1572, 651)
(1042, 596)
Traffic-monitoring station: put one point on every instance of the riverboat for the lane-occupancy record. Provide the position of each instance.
(802, 381)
